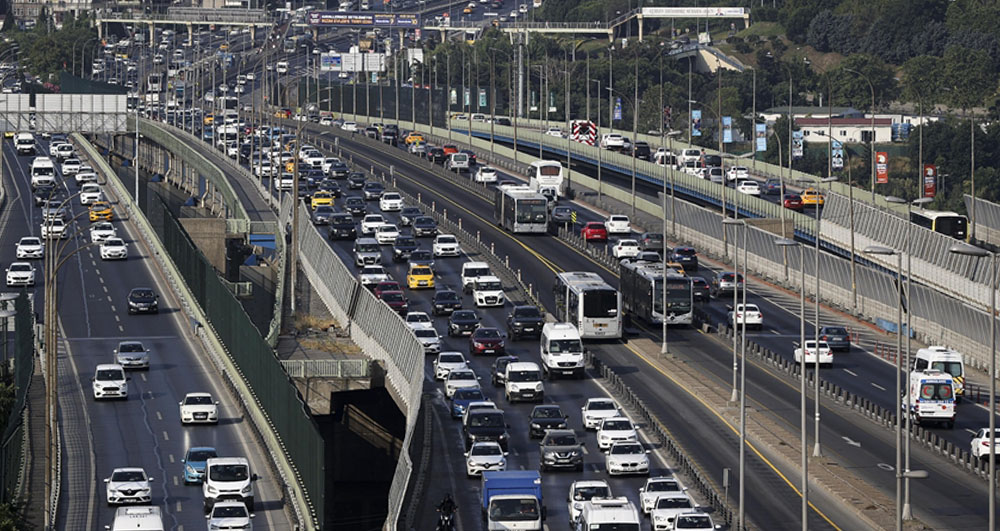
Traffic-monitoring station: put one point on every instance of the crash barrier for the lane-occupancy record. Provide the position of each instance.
(984, 225)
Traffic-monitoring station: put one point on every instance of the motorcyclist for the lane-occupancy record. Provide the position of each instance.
(446, 508)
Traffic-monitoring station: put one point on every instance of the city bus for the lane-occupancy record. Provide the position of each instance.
(642, 293)
(546, 177)
(947, 223)
(154, 83)
(591, 304)
(520, 209)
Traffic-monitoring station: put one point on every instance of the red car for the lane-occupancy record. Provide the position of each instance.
(386, 285)
(793, 202)
(486, 340)
(594, 231)
(449, 149)
(396, 300)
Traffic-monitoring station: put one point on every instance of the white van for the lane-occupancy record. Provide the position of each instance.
(487, 291)
(946, 360)
(932, 397)
(523, 381)
(228, 478)
(562, 350)
(43, 172)
(144, 518)
(25, 143)
(608, 513)
(471, 271)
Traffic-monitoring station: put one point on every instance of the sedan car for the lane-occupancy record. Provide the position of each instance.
(386, 285)
(748, 187)
(386, 233)
(824, 353)
(372, 190)
(100, 211)
(446, 245)
(485, 455)
(321, 198)
(594, 231)
(651, 241)
(701, 289)
(463, 323)
(748, 314)
(614, 430)
(390, 202)
(424, 226)
(582, 491)
(464, 398)
(486, 174)
(355, 205)
(132, 355)
(429, 338)
(618, 224)
(837, 337)
(341, 227)
(395, 300)
(322, 214)
(560, 448)
(771, 186)
(30, 247)
(90, 194)
(982, 444)
(408, 214)
(194, 463)
(446, 362)
(793, 202)
(524, 320)
(458, 379)
(486, 340)
(667, 507)
(694, 521)
(371, 275)
(545, 417)
(20, 274)
(654, 488)
(128, 485)
(371, 222)
(736, 173)
(102, 231)
(626, 457)
(114, 249)
(420, 277)
(812, 196)
(199, 408)
(445, 302)
(422, 257)
(356, 181)
(596, 410)
(229, 514)
(416, 320)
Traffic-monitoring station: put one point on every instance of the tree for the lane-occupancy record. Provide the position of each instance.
(971, 76)
(853, 89)
(922, 78)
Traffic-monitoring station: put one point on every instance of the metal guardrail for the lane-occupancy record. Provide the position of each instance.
(326, 368)
(240, 289)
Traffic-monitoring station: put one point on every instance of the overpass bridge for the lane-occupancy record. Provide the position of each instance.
(190, 17)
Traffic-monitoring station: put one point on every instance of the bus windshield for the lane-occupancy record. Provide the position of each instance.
(532, 211)
(600, 303)
(679, 295)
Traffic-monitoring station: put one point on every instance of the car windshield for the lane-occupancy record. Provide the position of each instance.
(354, 201)
(447, 239)
(616, 425)
(471, 272)
(673, 503)
(487, 449)
(198, 400)
(486, 420)
(547, 413)
(692, 522)
(142, 294)
(506, 510)
(489, 285)
(662, 486)
(229, 473)
(324, 209)
(447, 296)
(110, 374)
(590, 492)
(421, 255)
(387, 228)
(392, 296)
(368, 247)
(128, 475)
(421, 271)
(230, 511)
(424, 221)
(417, 318)
(560, 346)
(562, 440)
(200, 455)
(131, 347)
(372, 270)
(341, 219)
(425, 333)
(601, 405)
(461, 375)
(626, 449)
(470, 394)
(835, 331)
(18, 268)
(527, 311)
(30, 241)
(405, 241)
(487, 333)
(524, 376)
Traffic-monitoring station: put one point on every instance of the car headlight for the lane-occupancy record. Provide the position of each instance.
(190, 470)
(574, 453)
(503, 436)
(535, 425)
(247, 489)
(132, 303)
(562, 425)
(212, 490)
(659, 518)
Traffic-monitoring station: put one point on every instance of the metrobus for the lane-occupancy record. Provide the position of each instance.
(642, 293)
(154, 83)
(591, 304)
(520, 209)
(947, 223)
(546, 177)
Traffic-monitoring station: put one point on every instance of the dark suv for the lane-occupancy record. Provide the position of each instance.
(560, 449)
(641, 151)
(524, 321)
(437, 155)
(485, 425)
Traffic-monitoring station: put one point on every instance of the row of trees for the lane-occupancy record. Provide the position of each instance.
(45, 51)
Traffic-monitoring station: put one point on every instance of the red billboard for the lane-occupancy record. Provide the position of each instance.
(882, 167)
(930, 180)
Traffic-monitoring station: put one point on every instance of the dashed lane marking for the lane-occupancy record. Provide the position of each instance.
(166, 437)
(877, 386)
(159, 416)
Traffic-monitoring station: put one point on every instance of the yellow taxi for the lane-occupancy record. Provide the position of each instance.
(290, 166)
(8, 134)
(414, 137)
(677, 267)
(420, 276)
(209, 119)
(467, 10)
(224, 46)
(321, 197)
(811, 196)
(100, 211)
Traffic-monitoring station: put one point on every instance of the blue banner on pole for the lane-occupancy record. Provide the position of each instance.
(727, 129)
(797, 147)
(837, 156)
(761, 133)
(618, 108)
(696, 122)
(482, 97)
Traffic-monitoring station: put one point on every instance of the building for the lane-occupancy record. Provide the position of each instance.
(802, 111)
(845, 130)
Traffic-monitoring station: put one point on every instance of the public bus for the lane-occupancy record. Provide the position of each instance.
(546, 177)
(947, 223)
(520, 209)
(642, 293)
(154, 83)
(591, 304)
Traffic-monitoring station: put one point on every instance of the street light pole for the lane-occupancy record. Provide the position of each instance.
(785, 242)
(742, 369)
(872, 88)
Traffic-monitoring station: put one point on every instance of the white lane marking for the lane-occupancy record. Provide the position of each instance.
(143, 376)
(166, 437)
(122, 329)
(118, 319)
(101, 279)
(178, 509)
(852, 373)
(106, 290)
(176, 483)
(169, 456)
(974, 432)
(877, 386)
(159, 416)
(113, 309)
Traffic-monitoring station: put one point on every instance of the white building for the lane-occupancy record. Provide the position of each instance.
(803, 111)
(845, 130)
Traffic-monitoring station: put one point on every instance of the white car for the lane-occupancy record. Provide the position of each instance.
(132, 355)
(199, 408)
(101, 231)
(488, 291)
(85, 177)
(30, 247)
(390, 202)
(626, 248)
(20, 274)
(583, 491)
(350, 126)
(429, 338)
(446, 362)
(596, 410)
(371, 222)
(737, 173)
(612, 141)
(748, 187)
(981, 444)
(459, 378)
(554, 131)
(418, 320)
(617, 224)
(694, 521)
(114, 249)
(90, 192)
(371, 275)
(614, 430)
(386, 234)
(626, 458)
(446, 245)
(825, 353)
(328, 163)
(326, 120)
(230, 514)
(63, 151)
(70, 166)
(486, 174)
(54, 228)
(109, 381)
(484, 455)
(750, 314)
(656, 487)
(667, 507)
(128, 485)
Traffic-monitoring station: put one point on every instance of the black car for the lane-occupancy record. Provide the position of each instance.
(373, 190)
(472, 156)
(402, 247)
(499, 369)
(408, 214)
(342, 227)
(651, 241)
(641, 150)
(44, 193)
(322, 214)
(701, 289)
(422, 257)
(355, 205)
(445, 302)
(437, 155)
(314, 176)
(331, 186)
(339, 170)
(545, 417)
(485, 425)
(356, 181)
(463, 323)
(502, 121)
(837, 337)
(390, 134)
(712, 161)
(685, 256)
(143, 300)
(524, 321)
(424, 226)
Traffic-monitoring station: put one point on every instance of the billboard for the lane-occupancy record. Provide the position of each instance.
(330, 62)
(837, 155)
(930, 180)
(797, 144)
(761, 130)
(618, 109)
(382, 20)
(693, 12)
(881, 167)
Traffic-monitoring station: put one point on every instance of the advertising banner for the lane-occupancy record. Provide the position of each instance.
(693, 12)
(837, 155)
(468, 96)
(482, 97)
(797, 147)
(696, 122)
(618, 108)
(930, 180)
(761, 135)
(881, 167)
(382, 20)
(330, 62)
(727, 129)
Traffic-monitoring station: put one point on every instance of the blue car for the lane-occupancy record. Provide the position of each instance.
(461, 399)
(194, 463)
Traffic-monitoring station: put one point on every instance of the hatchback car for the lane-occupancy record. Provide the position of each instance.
(408, 214)
(100, 211)
(595, 410)
(687, 257)
(793, 202)
(395, 300)
(143, 300)
(446, 362)
(463, 323)
(594, 231)
(445, 302)
(132, 355)
(701, 290)
(199, 408)
(483, 456)
(341, 227)
(486, 340)
(749, 314)
(373, 190)
(837, 337)
(322, 213)
(615, 430)
(813, 197)
(355, 205)
(462, 398)
(459, 378)
(545, 417)
(194, 463)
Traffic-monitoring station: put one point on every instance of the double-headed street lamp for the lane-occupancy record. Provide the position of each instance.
(635, 129)
(743, 363)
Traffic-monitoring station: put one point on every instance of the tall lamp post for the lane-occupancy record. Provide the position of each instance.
(872, 88)
(971, 250)
(635, 127)
(743, 366)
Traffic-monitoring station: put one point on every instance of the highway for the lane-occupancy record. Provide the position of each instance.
(144, 430)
